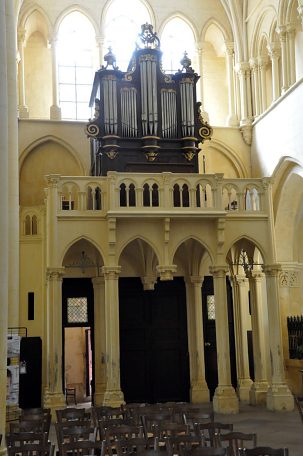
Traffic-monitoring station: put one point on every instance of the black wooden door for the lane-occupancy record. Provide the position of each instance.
(153, 341)
(209, 328)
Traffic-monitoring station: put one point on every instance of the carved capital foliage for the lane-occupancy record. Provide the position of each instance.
(111, 272)
(166, 272)
(52, 180)
(272, 270)
(289, 279)
(55, 274)
(246, 131)
(229, 48)
(219, 270)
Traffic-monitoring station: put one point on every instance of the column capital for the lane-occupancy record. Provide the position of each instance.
(229, 48)
(166, 271)
(97, 281)
(219, 270)
(52, 179)
(262, 61)
(55, 273)
(111, 272)
(253, 63)
(274, 50)
(291, 30)
(281, 30)
(243, 68)
(272, 270)
(240, 280)
(100, 39)
(196, 280)
(21, 36)
(257, 276)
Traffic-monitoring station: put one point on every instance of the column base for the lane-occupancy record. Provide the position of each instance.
(54, 401)
(243, 389)
(99, 397)
(55, 112)
(279, 398)
(225, 400)
(113, 398)
(23, 112)
(199, 392)
(258, 392)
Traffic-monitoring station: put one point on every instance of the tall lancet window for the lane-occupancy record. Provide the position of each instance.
(177, 37)
(123, 22)
(76, 65)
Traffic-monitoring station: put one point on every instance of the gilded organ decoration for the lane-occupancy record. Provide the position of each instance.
(147, 120)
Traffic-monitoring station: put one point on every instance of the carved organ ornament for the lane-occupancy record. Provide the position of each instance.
(145, 120)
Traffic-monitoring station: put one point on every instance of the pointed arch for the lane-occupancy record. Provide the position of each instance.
(214, 22)
(25, 14)
(138, 237)
(73, 9)
(82, 238)
(55, 139)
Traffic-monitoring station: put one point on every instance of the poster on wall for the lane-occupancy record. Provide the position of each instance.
(12, 373)
(12, 385)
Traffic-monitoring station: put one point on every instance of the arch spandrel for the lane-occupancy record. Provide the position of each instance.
(82, 257)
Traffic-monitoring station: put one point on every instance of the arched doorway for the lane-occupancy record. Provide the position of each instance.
(82, 262)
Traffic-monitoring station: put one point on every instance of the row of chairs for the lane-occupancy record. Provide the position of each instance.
(170, 428)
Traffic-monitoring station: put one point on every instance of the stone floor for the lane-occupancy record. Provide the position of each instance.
(275, 429)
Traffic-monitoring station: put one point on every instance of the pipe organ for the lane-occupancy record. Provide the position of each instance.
(145, 120)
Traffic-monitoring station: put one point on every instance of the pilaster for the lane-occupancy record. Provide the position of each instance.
(100, 340)
(283, 40)
(260, 385)
(232, 119)
(274, 53)
(199, 388)
(23, 109)
(200, 87)
(256, 92)
(225, 399)
(113, 395)
(241, 317)
(53, 394)
(291, 34)
(55, 110)
(262, 61)
(279, 397)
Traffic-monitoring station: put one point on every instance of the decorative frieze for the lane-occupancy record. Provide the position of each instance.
(289, 279)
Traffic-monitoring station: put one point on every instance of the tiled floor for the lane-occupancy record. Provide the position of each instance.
(275, 429)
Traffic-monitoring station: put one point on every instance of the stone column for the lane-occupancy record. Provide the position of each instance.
(55, 110)
(241, 317)
(262, 65)
(3, 221)
(279, 397)
(113, 395)
(199, 388)
(291, 33)
(23, 109)
(256, 91)
(243, 71)
(232, 119)
(100, 340)
(274, 53)
(200, 86)
(225, 399)
(300, 10)
(53, 395)
(260, 386)
(100, 45)
(284, 64)
(13, 167)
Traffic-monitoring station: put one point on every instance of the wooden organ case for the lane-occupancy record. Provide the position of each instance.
(145, 120)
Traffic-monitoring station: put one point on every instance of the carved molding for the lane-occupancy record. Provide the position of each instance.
(289, 279)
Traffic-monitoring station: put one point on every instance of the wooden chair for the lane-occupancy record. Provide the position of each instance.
(103, 425)
(299, 405)
(27, 426)
(151, 423)
(31, 449)
(70, 393)
(21, 438)
(71, 432)
(212, 432)
(195, 417)
(177, 444)
(72, 414)
(36, 411)
(235, 441)
(82, 448)
(123, 432)
(264, 451)
(36, 419)
(134, 446)
(206, 452)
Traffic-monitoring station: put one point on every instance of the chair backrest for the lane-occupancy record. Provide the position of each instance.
(36, 419)
(211, 432)
(169, 429)
(72, 414)
(177, 444)
(27, 426)
(237, 441)
(36, 411)
(16, 440)
(74, 431)
(132, 446)
(31, 449)
(264, 451)
(193, 417)
(151, 420)
(82, 448)
(206, 452)
(109, 424)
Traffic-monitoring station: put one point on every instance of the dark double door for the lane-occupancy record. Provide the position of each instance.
(153, 341)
